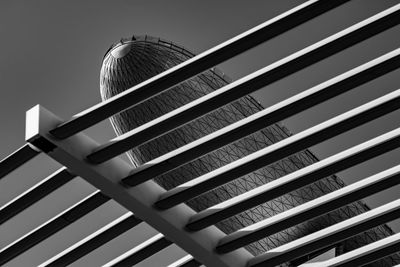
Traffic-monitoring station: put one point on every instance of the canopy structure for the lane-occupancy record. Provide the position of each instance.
(170, 209)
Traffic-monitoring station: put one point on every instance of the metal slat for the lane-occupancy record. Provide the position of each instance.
(273, 114)
(195, 65)
(328, 236)
(141, 252)
(94, 241)
(366, 254)
(16, 159)
(35, 193)
(282, 149)
(248, 84)
(191, 263)
(51, 227)
(311, 209)
(290, 182)
(186, 261)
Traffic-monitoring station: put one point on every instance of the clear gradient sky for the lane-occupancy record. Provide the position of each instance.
(51, 53)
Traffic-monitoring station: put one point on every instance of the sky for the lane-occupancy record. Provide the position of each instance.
(51, 53)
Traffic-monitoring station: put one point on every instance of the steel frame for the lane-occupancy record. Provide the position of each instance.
(165, 211)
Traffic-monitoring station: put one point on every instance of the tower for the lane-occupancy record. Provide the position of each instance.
(134, 60)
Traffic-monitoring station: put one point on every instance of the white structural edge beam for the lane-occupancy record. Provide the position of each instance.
(325, 237)
(106, 177)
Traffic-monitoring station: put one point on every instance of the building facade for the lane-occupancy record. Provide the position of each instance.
(134, 60)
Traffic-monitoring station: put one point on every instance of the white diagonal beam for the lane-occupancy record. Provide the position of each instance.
(71, 153)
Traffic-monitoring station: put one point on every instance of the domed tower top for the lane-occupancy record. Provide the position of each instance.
(132, 61)
(136, 59)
